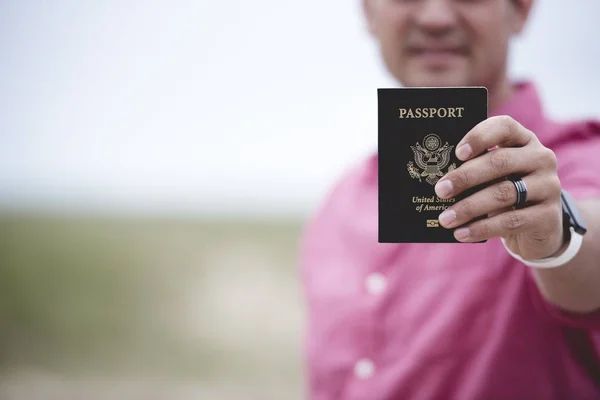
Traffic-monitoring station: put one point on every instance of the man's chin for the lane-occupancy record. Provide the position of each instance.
(436, 79)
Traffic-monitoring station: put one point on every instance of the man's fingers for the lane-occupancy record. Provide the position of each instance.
(492, 166)
(495, 199)
(502, 131)
(508, 223)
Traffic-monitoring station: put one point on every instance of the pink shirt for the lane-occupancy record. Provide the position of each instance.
(443, 321)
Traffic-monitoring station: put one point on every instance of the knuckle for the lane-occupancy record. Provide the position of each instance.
(555, 187)
(504, 193)
(547, 158)
(531, 137)
(499, 161)
(466, 208)
(507, 122)
(552, 160)
(558, 213)
(551, 188)
(483, 229)
(462, 178)
(553, 214)
(513, 221)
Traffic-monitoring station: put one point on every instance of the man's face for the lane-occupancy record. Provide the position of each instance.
(445, 42)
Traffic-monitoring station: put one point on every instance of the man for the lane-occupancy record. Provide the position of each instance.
(461, 321)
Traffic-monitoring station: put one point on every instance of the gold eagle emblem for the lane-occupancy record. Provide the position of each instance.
(432, 157)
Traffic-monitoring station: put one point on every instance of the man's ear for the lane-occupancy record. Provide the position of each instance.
(369, 13)
(522, 11)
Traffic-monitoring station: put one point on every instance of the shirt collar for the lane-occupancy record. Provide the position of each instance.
(524, 105)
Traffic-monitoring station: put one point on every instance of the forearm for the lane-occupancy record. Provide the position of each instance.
(575, 286)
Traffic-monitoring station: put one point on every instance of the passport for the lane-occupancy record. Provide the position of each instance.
(418, 130)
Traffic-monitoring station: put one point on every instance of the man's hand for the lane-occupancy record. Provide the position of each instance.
(534, 231)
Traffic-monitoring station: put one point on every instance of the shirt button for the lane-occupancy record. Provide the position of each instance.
(364, 369)
(375, 283)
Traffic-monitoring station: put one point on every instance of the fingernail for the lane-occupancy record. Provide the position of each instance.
(443, 188)
(461, 233)
(447, 217)
(463, 152)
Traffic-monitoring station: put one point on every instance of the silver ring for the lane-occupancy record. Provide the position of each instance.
(521, 192)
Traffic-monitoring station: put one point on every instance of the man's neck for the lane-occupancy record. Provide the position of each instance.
(499, 94)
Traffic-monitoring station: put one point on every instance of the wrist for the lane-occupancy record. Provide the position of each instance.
(563, 257)
(573, 231)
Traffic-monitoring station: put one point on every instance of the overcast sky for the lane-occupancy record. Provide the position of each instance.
(219, 106)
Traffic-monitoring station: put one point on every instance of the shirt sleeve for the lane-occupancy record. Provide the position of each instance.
(587, 321)
(579, 161)
(579, 172)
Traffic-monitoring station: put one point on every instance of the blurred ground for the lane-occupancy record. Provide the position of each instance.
(109, 308)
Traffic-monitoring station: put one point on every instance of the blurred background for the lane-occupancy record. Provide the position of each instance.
(158, 160)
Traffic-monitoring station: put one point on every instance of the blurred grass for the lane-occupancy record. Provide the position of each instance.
(182, 299)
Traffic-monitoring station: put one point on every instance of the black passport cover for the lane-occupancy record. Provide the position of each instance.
(415, 150)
